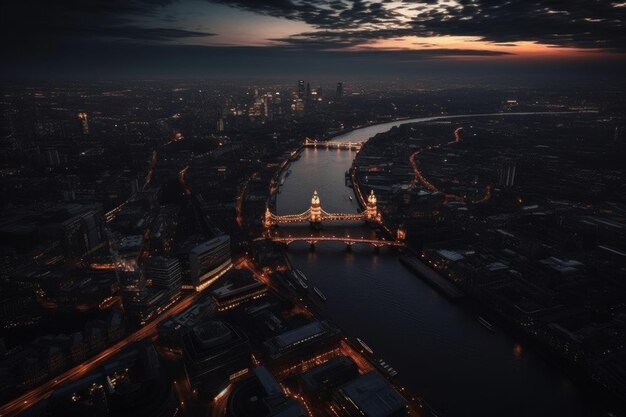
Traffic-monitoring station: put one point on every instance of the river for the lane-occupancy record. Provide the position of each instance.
(439, 349)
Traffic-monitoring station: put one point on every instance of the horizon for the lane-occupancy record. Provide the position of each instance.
(193, 38)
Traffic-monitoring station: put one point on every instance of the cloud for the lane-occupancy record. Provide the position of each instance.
(570, 23)
(55, 22)
(334, 14)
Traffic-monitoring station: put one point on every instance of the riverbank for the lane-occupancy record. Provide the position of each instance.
(275, 183)
(432, 277)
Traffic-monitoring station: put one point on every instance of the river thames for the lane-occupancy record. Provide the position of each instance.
(439, 349)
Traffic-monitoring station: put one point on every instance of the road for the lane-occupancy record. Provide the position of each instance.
(18, 405)
(181, 178)
(153, 162)
(419, 176)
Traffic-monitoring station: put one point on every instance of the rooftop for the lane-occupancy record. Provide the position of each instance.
(373, 395)
(210, 244)
(300, 334)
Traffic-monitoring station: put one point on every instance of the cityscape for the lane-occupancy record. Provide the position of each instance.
(313, 209)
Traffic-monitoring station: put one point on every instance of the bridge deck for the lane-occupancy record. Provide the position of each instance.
(344, 239)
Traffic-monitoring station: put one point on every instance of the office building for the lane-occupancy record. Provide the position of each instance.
(240, 286)
(321, 380)
(261, 396)
(339, 91)
(369, 396)
(215, 354)
(209, 261)
(164, 273)
(312, 338)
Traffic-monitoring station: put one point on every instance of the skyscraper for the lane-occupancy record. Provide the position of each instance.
(84, 123)
(165, 274)
(219, 125)
(339, 91)
(300, 89)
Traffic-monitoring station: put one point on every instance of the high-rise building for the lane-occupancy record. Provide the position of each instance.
(339, 91)
(298, 101)
(84, 123)
(267, 102)
(300, 92)
(209, 261)
(165, 274)
(219, 125)
(215, 353)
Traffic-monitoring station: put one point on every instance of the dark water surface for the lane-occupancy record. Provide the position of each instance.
(440, 351)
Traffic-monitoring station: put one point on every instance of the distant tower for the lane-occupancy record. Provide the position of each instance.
(267, 220)
(400, 234)
(371, 209)
(300, 89)
(339, 91)
(84, 123)
(219, 125)
(298, 102)
(267, 98)
(316, 210)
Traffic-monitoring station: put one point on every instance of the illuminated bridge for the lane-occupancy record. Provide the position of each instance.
(349, 241)
(316, 215)
(313, 143)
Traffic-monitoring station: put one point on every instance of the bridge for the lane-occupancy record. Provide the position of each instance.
(316, 215)
(349, 241)
(314, 143)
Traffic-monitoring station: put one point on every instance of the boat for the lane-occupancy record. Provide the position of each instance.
(365, 346)
(299, 280)
(302, 283)
(301, 274)
(387, 368)
(319, 293)
(486, 324)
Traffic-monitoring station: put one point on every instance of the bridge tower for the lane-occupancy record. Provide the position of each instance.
(315, 216)
(267, 220)
(400, 234)
(371, 209)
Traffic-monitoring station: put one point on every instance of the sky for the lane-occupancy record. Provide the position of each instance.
(212, 38)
